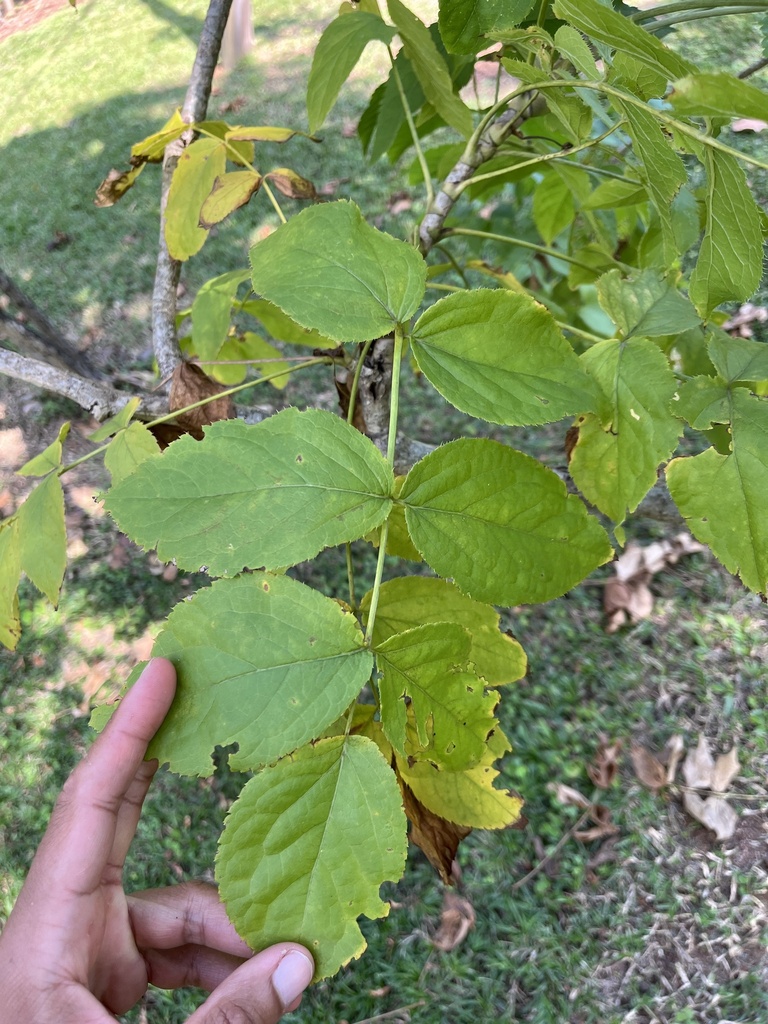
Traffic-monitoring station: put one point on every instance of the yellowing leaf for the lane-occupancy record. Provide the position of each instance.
(128, 449)
(265, 133)
(152, 148)
(452, 715)
(10, 571)
(48, 459)
(291, 184)
(410, 601)
(43, 537)
(115, 423)
(314, 836)
(198, 168)
(230, 191)
(253, 348)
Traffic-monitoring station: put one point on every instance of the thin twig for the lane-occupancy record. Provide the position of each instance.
(392, 1013)
(754, 68)
(553, 853)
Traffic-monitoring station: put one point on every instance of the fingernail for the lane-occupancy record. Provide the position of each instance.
(292, 975)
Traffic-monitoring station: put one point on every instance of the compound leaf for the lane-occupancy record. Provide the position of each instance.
(330, 271)
(614, 462)
(452, 715)
(500, 524)
(410, 601)
(314, 836)
(269, 494)
(262, 661)
(500, 356)
(723, 497)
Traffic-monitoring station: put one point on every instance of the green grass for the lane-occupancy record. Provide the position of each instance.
(581, 942)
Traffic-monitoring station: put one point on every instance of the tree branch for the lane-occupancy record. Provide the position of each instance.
(100, 399)
(164, 339)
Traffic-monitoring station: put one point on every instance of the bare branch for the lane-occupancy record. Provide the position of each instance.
(100, 399)
(195, 105)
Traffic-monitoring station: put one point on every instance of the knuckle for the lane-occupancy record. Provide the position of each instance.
(235, 1013)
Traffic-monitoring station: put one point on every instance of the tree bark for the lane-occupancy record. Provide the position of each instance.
(164, 339)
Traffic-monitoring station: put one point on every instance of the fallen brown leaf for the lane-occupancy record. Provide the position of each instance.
(648, 769)
(603, 825)
(698, 766)
(569, 796)
(673, 751)
(456, 922)
(603, 770)
(725, 771)
(714, 812)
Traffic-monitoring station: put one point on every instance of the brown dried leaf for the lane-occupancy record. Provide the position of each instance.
(456, 922)
(603, 770)
(698, 766)
(648, 769)
(291, 184)
(603, 826)
(673, 751)
(115, 185)
(190, 384)
(569, 796)
(725, 771)
(714, 812)
(437, 838)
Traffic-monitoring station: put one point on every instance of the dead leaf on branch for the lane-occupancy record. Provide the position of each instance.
(456, 922)
(437, 838)
(190, 384)
(627, 596)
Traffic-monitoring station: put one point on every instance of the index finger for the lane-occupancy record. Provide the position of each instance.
(80, 835)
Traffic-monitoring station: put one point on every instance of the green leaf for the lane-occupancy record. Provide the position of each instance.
(641, 79)
(614, 463)
(280, 326)
(718, 95)
(410, 601)
(501, 524)
(723, 497)
(268, 494)
(553, 207)
(330, 271)
(340, 47)
(115, 423)
(571, 45)
(663, 171)
(212, 312)
(128, 449)
(427, 667)
(646, 304)
(738, 359)
(10, 571)
(42, 537)
(315, 836)
(467, 798)
(152, 148)
(399, 541)
(466, 24)
(230, 191)
(431, 70)
(608, 26)
(612, 194)
(263, 662)
(198, 168)
(572, 113)
(254, 347)
(703, 401)
(500, 356)
(50, 457)
(730, 261)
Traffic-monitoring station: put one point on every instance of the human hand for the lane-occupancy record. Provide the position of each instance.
(77, 950)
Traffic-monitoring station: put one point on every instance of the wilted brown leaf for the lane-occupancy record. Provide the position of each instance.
(115, 185)
(714, 812)
(698, 766)
(725, 771)
(648, 769)
(190, 384)
(437, 838)
(456, 922)
(291, 184)
(673, 751)
(603, 770)
(569, 796)
(603, 826)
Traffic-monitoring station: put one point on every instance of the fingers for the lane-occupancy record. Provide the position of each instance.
(186, 914)
(80, 837)
(261, 990)
(189, 967)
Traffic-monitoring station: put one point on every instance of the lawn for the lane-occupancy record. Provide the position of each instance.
(656, 923)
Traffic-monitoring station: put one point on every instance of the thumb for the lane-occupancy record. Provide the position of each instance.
(261, 990)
